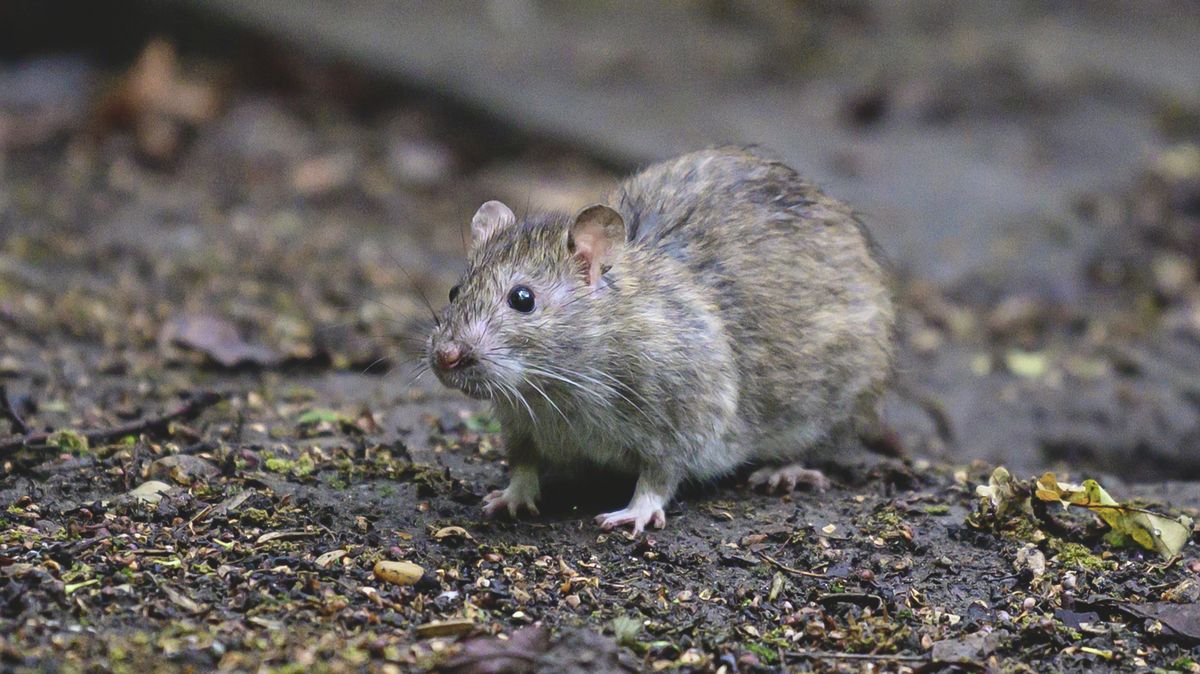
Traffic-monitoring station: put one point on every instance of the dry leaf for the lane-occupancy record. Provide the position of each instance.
(1148, 529)
(445, 628)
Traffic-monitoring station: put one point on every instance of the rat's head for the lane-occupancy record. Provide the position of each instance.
(515, 313)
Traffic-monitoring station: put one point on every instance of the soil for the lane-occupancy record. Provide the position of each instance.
(251, 242)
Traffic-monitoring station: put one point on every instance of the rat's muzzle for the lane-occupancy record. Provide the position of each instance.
(456, 367)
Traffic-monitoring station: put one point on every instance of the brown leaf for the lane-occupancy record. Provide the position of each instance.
(217, 338)
(182, 600)
(157, 102)
(489, 655)
(283, 535)
(445, 628)
(182, 468)
(1179, 620)
(971, 648)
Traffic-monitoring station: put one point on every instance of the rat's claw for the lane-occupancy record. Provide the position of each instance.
(787, 478)
(638, 517)
(501, 500)
(522, 493)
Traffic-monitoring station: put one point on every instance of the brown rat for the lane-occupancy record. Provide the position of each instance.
(719, 310)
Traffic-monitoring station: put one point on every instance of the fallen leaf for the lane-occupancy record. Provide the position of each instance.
(218, 339)
(181, 600)
(445, 628)
(72, 587)
(330, 557)
(283, 535)
(182, 468)
(1002, 493)
(316, 416)
(232, 503)
(1148, 529)
(149, 492)
(971, 648)
(489, 655)
(1178, 620)
(157, 103)
(266, 623)
(452, 532)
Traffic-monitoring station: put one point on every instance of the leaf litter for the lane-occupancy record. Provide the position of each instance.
(311, 471)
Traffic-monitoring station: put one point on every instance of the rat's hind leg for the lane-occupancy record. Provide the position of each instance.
(787, 478)
(784, 460)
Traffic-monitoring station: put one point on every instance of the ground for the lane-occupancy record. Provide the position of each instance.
(251, 243)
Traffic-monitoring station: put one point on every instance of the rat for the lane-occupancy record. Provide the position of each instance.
(717, 310)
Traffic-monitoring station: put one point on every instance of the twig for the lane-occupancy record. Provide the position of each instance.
(826, 655)
(9, 412)
(782, 567)
(159, 424)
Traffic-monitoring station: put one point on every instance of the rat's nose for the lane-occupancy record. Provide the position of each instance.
(450, 356)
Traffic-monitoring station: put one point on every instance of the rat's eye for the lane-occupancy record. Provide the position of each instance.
(454, 293)
(521, 299)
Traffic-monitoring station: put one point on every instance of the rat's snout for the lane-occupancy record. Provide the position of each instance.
(452, 357)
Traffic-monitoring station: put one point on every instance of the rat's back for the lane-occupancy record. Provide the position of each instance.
(799, 285)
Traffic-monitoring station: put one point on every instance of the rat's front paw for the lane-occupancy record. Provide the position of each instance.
(639, 517)
(522, 493)
(503, 500)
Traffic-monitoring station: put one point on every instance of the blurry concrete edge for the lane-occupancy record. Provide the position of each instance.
(640, 81)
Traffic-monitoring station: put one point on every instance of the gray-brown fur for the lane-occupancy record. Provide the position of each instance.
(746, 318)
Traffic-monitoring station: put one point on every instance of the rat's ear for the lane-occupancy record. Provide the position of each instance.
(491, 217)
(597, 233)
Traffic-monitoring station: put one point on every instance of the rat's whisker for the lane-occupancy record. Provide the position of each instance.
(552, 403)
(413, 284)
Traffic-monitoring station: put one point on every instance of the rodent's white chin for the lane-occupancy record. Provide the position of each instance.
(471, 386)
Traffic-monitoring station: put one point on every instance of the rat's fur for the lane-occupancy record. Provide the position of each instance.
(746, 318)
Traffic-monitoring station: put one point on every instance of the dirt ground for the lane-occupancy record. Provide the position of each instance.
(211, 280)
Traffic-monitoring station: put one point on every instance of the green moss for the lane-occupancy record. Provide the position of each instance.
(765, 653)
(316, 416)
(276, 464)
(1076, 556)
(300, 467)
(887, 517)
(255, 515)
(304, 466)
(68, 440)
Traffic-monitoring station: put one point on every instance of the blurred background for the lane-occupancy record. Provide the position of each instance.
(260, 189)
